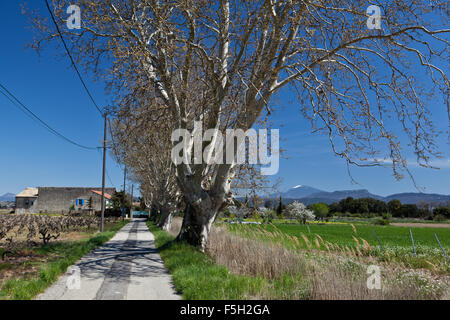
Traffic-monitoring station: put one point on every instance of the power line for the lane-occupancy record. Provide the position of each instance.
(107, 122)
(76, 68)
(17, 103)
(71, 59)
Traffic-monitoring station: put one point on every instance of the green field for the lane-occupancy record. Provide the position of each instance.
(396, 241)
(342, 234)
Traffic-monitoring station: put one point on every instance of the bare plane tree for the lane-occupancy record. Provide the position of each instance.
(146, 152)
(220, 62)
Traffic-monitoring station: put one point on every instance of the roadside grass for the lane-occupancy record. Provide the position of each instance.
(55, 257)
(359, 239)
(239, 267)
(196, 275)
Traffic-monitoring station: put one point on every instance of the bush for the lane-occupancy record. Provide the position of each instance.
(320, 210)
(443, 211)
(381, 222)
(387, 216)
(439, 217)
(268, 217)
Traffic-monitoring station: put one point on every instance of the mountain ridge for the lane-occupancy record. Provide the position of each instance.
(8, 197)
(307, 195)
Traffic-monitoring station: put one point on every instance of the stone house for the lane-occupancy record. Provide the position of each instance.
(62, 199)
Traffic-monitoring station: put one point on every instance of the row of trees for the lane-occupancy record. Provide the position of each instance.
(368, 206)
(171, 63)
(394, 207)
(295, 210)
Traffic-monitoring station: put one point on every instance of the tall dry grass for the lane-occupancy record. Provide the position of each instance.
(252, 257)
(327, 275)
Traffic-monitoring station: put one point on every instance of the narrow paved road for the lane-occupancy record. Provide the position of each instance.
(127, 267)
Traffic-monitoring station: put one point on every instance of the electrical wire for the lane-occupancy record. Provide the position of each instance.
(75, 67)
(71, 59)
(17, 103)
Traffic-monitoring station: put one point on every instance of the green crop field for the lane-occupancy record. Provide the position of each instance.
(342, 234)
(396, 241)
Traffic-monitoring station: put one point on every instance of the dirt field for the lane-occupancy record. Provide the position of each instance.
(422, 225)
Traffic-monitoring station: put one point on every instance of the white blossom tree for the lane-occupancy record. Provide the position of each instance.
(298, 210)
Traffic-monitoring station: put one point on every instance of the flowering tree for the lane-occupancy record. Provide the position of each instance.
(298, 210)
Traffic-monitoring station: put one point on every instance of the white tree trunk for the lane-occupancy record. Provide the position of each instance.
(197, 222)
(165, 220)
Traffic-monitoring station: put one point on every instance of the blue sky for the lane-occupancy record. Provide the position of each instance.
(31, 156)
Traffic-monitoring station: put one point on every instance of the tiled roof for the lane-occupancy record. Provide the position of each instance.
(107, 196)
(28, 192)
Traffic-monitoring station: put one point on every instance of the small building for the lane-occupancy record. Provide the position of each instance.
(26, 200)
(62, 199)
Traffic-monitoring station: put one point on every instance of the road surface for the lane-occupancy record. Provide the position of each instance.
(127, 267)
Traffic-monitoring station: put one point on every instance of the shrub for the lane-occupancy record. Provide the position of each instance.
(268, 216)
(444, 211)
(439, 217)
(381, 222)
(386, 216)
(320, 210)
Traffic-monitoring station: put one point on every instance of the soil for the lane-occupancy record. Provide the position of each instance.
(421, 225)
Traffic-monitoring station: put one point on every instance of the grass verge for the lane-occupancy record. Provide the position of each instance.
(196, 276)
(269, 269)
(60, 255)
(361, 240)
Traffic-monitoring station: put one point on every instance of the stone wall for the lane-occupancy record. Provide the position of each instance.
(61, 199)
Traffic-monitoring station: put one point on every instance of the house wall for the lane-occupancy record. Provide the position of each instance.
(26, 204)
(60, 200)
(96, 201)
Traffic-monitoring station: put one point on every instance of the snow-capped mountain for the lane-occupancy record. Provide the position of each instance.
(299, 191)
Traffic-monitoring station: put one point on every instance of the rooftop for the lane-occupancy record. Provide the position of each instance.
(28, 192)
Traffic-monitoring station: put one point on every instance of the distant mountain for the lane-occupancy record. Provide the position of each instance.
(297, 192)
(342, 194)
(411, 197)
(308, 195)
(8, 197)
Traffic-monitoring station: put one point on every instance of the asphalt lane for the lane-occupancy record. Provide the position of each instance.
(128, 267)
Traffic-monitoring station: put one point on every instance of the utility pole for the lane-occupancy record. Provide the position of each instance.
(123, 209)
(103, 177)
(124, 180)
(131, 208)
